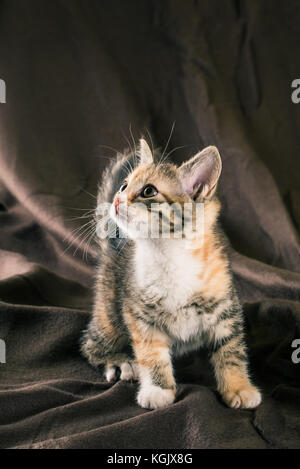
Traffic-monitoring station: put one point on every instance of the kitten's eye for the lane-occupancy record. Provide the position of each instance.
(123, 187)
(149, 191)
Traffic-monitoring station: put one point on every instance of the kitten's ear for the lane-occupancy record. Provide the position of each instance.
(144, 152)
(199, 175)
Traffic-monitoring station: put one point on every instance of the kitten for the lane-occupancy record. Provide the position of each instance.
(158, 297)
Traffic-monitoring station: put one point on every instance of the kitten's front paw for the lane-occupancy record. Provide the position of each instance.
(129, 371)
(247, 397)
(154, 397)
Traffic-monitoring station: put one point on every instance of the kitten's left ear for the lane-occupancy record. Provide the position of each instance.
(144, 152)
(200, 174)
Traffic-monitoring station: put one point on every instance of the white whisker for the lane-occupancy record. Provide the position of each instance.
(167, 144)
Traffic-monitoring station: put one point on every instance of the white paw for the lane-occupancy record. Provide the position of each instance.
(247, 398)
(129, 371)
(110, 373)
(154, 397)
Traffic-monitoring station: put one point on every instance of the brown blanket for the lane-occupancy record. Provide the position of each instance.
(79, 75)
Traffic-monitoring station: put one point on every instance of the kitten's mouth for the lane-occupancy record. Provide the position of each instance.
(116, 205)
(119, 211)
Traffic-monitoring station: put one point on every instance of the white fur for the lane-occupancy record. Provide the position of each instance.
(129, 371)
(110, 373)
(167, 270)
(223, 330)
(144, 152)
(247, 398)
(151, 396)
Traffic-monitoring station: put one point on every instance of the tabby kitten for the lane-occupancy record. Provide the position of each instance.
(161, 297)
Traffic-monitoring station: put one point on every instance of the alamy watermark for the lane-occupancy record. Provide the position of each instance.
(296, 353)
(295, 96)
(2, 101)
(152, 221)
(2, 92)
(2, 351)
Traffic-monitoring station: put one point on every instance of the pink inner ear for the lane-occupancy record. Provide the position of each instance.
(196, 180)
(199, 181)
(190, 184)
(201, 176)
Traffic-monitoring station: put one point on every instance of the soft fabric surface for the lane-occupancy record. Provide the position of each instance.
(79, 75)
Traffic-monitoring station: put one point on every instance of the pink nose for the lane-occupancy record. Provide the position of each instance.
(116, 204)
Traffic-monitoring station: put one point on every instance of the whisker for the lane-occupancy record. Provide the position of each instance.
(88, 240)
(86, 233)
(152, 146)
(88, 245)
(130, 166)
(77, 233)
(132, 137)
(87, 209)
(109, 148)
(128, 142)
(170, 136)
(135, 151)
(85, 215)
(174, 149)
(131, 151)
(125, 242)
(82, 226)
(88, 193)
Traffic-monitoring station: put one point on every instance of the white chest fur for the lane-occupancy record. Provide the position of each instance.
(166, 269)
(170, 274)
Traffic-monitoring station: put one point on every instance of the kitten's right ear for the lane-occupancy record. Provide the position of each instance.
(144, 152)
(200, 174)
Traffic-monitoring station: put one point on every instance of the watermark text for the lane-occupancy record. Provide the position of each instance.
(296, 353)
(155, 220)
(2, 91)
(2, 351)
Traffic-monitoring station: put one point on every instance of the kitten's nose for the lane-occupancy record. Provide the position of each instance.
(116, 204)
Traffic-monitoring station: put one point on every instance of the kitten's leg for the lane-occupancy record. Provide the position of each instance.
(229, 358)
(103, 344)
(151, 348)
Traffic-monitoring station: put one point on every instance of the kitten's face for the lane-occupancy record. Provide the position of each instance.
(144, 199)
(159, 200)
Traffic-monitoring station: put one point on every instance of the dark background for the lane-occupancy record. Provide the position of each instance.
(80, 76)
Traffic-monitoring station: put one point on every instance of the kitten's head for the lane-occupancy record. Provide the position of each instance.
(159, 199)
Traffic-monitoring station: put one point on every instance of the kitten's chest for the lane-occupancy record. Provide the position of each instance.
(170, 276)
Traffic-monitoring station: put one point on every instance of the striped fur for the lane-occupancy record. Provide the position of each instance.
(156, 299)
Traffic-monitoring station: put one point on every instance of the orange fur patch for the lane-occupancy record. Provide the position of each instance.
(235, 380)
(149, 349)
(105, 323)
(215, 276)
